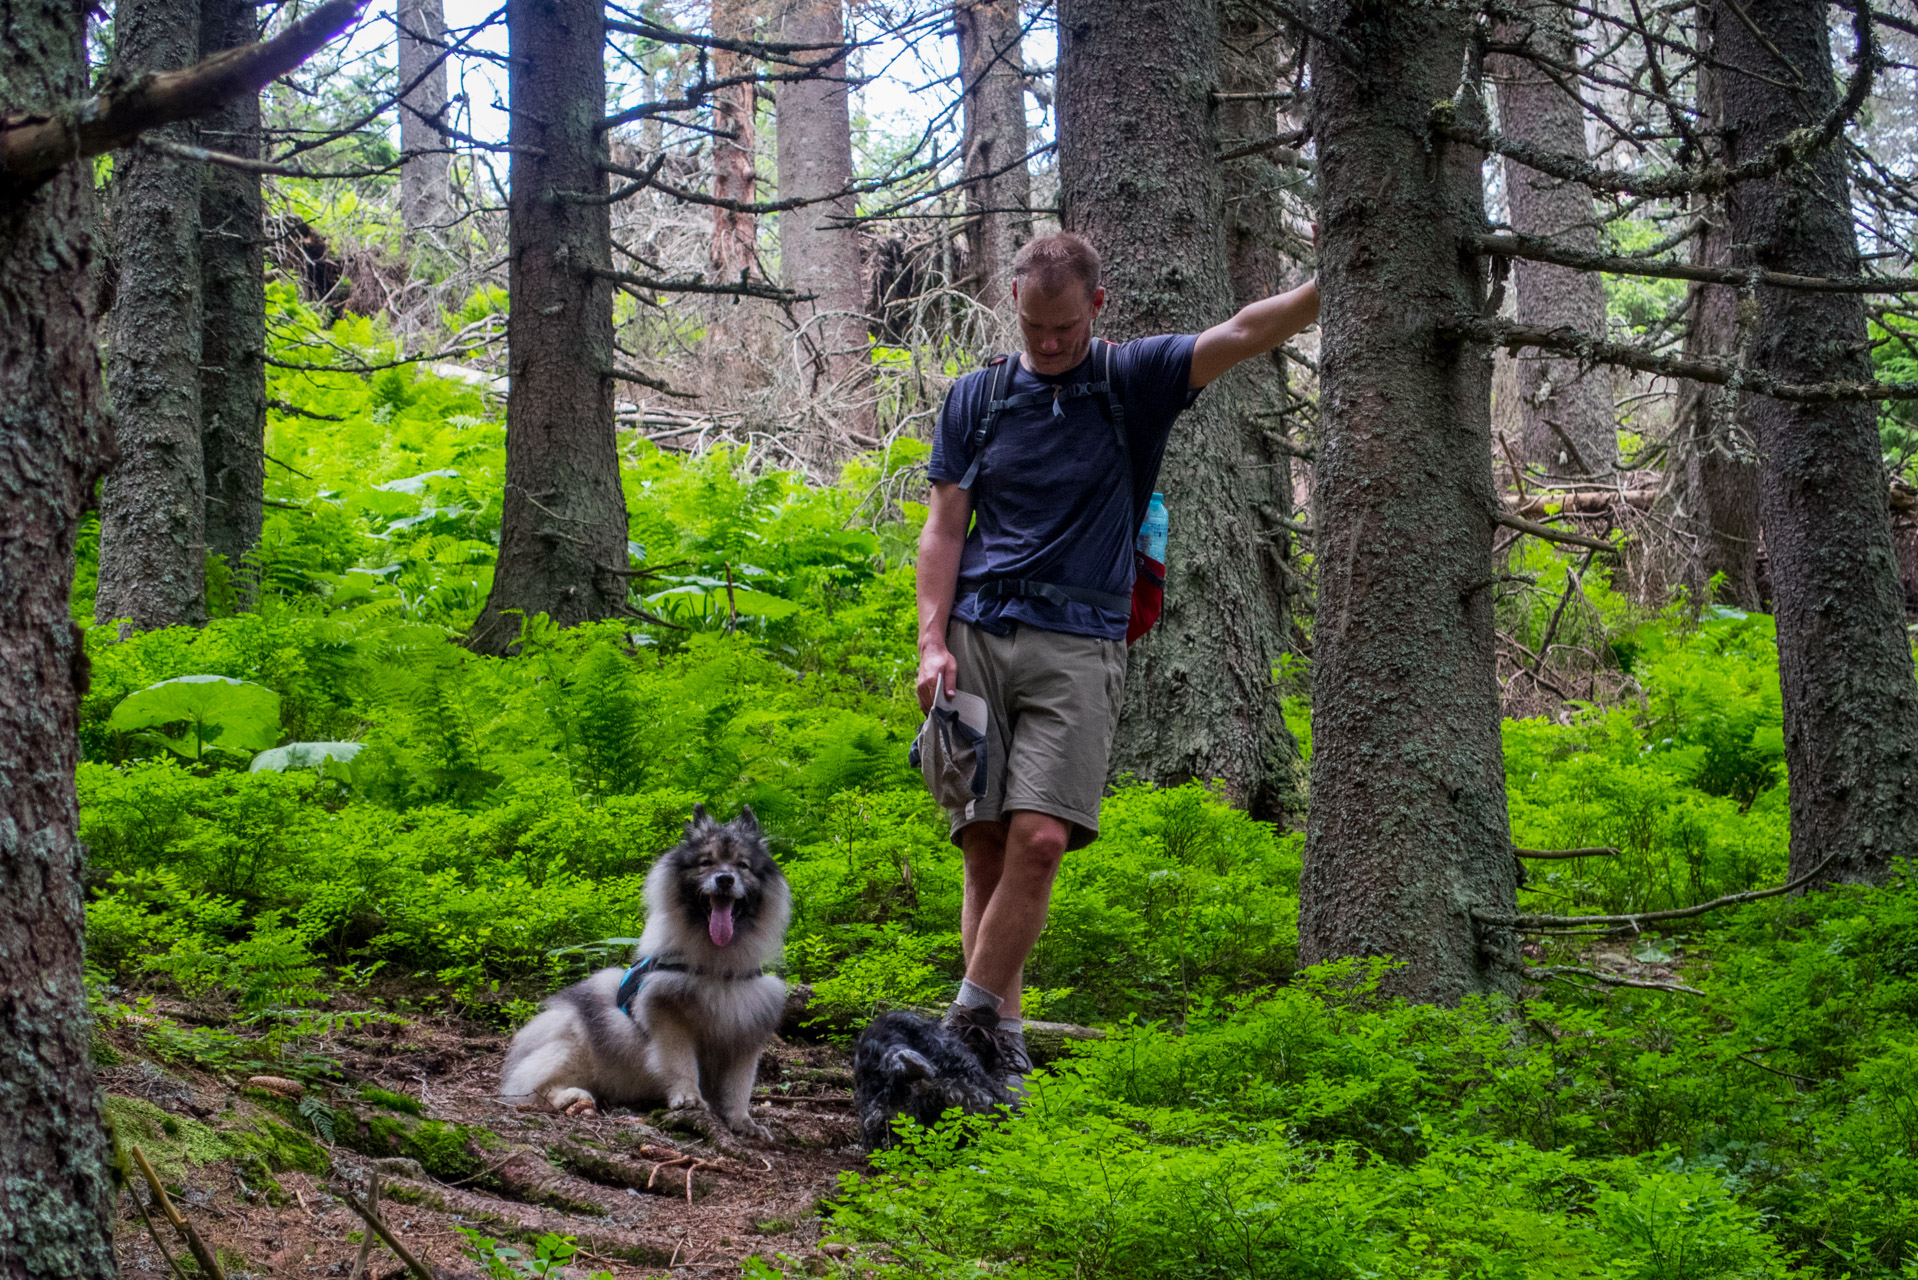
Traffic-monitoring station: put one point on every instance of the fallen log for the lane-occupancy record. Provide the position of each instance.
(1045, 1041)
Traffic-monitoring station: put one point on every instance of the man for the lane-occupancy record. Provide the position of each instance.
(1024, 606)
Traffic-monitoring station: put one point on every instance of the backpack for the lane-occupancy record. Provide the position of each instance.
(1147, 600)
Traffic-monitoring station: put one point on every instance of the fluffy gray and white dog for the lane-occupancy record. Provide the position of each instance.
(908, 1065)
(685, 1025)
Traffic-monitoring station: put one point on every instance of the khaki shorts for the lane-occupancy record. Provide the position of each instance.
(1053, 702)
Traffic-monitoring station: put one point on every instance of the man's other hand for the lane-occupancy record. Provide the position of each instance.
(936, 665)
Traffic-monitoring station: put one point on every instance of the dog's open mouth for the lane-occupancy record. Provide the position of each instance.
(719, 919)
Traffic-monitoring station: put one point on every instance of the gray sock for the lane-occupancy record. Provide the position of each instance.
(1015, 1025)
(973, 996)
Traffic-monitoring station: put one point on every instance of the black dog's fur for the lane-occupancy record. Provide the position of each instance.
(909, 1065)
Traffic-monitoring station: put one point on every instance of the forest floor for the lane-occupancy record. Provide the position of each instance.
(252, 1169)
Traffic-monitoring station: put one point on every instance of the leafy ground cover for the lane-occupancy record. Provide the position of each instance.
(318, 817)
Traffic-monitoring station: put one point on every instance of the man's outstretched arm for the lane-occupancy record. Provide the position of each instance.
(940, 544)
(1257, 329)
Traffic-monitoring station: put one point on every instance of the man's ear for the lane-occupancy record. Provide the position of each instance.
(1098, 299)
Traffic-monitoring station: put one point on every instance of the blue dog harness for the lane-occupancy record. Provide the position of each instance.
(635, 977)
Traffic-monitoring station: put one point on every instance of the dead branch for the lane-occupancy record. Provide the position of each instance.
(385, 1233)
(1559, 972)
(1595, 852)
(1590, 503)
(742, 289)
(1538, 249)
(34, 145)
(201, 1254)
(1650, 917)
(1550, 534)
(1515, 337)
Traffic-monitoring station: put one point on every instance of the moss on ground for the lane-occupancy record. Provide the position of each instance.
(445, 1150)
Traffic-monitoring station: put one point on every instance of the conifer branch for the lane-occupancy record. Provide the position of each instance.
(1538, 249)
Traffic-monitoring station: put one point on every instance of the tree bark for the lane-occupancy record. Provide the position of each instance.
(1259, 260)
(426, 190)
(1717, 462)
(56, 1202)
(153, 505)
(992, 71)
(1845, 670)
(1407, 830)
(815, 255)
(1565, 412)
(233, 328)
(735, 243)
(1139, 178)
(563, 527)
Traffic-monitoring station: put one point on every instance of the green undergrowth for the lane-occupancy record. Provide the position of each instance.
(435, 829)
(1320, 1130)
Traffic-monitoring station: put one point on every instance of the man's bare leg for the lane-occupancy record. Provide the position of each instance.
(984, 847)
(1013, 911)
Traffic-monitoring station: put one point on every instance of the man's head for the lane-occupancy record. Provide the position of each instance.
(1055, 285)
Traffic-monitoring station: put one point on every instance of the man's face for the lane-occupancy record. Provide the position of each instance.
(1057, 324)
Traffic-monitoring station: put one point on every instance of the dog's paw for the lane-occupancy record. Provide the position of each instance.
(750, 1129)
(572, 1102)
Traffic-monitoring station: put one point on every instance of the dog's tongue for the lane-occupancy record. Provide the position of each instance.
(719, 924)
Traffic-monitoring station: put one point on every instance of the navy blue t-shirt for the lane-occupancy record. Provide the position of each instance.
(1055, 499)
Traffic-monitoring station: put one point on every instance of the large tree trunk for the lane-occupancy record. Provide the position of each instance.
(998, 181)
(56, 1202)
(735, 243)
(1850, 701)
(153, 505)
(1140, 179)
(233, 342)
(426, 190)
(819, 254)
(563, 527)
(1251, 56)
(1408, 830)
(1716, 460)
(1565, 412)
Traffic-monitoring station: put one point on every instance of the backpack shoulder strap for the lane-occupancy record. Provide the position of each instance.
(1103, 387)
(1001, 368)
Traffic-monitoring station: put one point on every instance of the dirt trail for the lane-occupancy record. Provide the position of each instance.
(260, 1173)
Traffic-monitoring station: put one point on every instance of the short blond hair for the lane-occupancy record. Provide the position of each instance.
(1049, 262)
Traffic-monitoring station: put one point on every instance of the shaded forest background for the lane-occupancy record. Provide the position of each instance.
(489, 493)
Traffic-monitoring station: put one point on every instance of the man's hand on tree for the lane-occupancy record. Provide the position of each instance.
(936, 664)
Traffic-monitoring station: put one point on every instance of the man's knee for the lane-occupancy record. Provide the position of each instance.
(1039, 841)
(983, 845)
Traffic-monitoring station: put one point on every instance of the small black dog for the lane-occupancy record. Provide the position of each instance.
(909, 1065)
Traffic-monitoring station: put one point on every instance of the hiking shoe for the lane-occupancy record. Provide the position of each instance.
(1001, 1052)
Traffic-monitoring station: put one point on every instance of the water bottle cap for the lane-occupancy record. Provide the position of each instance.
(1159, 498)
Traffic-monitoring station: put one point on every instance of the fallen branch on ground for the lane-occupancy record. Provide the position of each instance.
(1650, 917)
(385, 1233)
(201, 1254)
(1550, 534)
(1559, 972)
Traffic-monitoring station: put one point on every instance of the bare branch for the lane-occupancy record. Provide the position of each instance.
(1550, 534)
(1650, 917)
(33, 146)
(1539, 249)
(1603, 851)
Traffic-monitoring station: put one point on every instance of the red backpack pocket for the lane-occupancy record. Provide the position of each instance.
(1148, 595)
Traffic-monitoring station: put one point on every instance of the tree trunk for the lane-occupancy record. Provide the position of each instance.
(1407, 830)
(1850, 702)
(563, 527)
(56, 1202)
(233, 341)
(1717, 460)
(735, 243)
(1139, 178)
(153, 505)
(998, 181)
(1565, 412)
(815, 255)
(426, 190)
(1258, 256)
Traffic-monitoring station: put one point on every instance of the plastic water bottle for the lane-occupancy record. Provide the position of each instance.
(1152, 533)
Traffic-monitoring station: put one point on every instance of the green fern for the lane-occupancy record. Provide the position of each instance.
(606, 722)
(319, 1115)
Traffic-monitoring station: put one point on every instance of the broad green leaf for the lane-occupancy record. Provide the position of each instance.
(219, 711)
(334, 759)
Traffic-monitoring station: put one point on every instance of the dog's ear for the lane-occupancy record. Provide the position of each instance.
(747, 819)
(700, 819)
(908, 1064)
